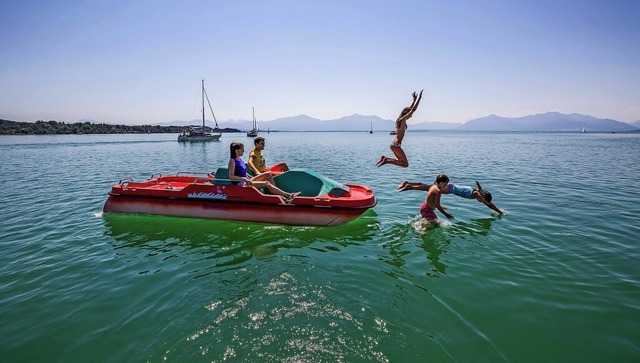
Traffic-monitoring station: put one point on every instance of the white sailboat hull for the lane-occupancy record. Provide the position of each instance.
(199, 138)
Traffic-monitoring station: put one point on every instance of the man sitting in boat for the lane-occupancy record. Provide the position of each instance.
(257, 163)
(238, 172)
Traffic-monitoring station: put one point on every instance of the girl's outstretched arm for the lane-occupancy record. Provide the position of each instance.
(414, 105)
(494, 208)
(489, 204)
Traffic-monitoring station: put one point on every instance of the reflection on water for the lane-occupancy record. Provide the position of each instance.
(395, 239)
(228, 243)
(434, 240)
(473, 228)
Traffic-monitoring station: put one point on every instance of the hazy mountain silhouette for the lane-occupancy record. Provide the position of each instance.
(550, 121)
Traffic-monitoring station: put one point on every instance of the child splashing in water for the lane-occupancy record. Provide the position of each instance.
(432, 201)
(401, 127)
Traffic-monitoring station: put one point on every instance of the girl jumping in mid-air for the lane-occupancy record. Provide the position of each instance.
(401, 127)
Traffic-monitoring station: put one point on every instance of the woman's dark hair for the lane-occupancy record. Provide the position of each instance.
(486, 195)
(236, 145)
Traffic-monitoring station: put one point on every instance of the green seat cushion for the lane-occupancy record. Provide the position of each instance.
(310, 184)
(222, 177)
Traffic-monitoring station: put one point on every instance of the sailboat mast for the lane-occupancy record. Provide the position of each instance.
(203, 105)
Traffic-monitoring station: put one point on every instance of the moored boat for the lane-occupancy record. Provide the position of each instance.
(254, 131)
(322, 201)
(197, 133)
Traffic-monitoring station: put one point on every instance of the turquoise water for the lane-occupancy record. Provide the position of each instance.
(555, 280)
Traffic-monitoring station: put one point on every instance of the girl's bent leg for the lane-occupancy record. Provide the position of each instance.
(401, 157)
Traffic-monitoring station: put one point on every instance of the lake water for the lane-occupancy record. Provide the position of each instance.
(557, 279)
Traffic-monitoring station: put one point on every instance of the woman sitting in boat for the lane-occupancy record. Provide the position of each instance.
(238, 172)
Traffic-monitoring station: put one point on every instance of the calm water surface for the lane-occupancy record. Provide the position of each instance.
(555, 280)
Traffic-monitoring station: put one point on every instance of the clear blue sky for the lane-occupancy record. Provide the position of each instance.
(141, 62)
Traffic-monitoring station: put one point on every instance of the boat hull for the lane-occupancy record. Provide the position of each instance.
(207, 197)
(247, 212)
(199, 138)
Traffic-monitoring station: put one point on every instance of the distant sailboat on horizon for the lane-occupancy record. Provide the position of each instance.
(584, 129)
(371, 130)
(253, 132)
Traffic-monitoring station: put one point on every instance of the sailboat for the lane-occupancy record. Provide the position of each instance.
(371, 130)
(199, 133)
(584, 129)
(254, 131)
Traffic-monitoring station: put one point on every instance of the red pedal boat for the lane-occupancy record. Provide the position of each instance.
(322, 201)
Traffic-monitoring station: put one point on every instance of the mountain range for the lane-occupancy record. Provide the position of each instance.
(550, 121)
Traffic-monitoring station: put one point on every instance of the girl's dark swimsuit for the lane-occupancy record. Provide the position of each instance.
(398, 143)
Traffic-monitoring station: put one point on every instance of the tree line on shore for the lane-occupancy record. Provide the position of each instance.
(61, 128)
